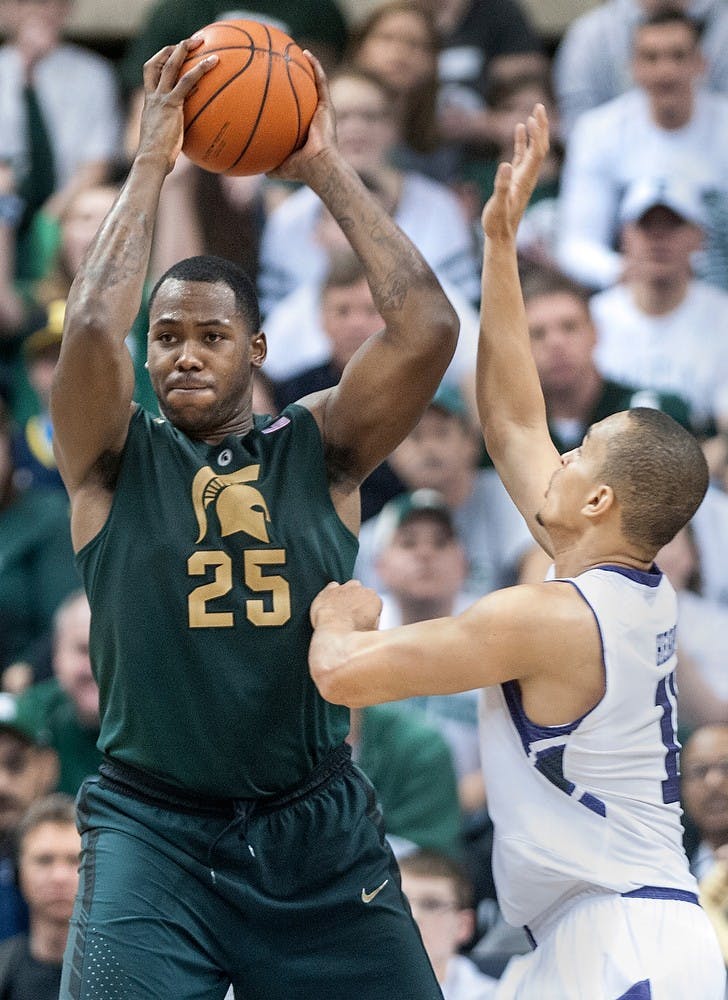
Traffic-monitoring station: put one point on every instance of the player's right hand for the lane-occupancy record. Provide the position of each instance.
(161, 130)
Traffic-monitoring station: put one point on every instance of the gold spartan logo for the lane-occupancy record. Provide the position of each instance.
(239, 507)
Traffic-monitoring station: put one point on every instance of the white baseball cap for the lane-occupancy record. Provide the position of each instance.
(679, 196)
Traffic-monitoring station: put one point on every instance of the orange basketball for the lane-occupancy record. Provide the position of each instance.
(252, 110)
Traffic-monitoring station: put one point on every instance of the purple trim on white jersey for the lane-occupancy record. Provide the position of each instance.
(649, 578)
(661, 892)
(548, 761)
(639, 991)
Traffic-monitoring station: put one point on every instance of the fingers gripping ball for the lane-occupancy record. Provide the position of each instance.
(253, 109)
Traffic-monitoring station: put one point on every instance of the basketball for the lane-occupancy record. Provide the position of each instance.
(252, 110)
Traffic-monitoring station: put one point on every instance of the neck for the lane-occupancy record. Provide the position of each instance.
(48, 940)
(575, 402)
(673, 116)
(660, 296)
(458, 488)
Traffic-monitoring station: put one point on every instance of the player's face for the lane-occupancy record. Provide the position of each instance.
(563, 339)
(201, 354)
(48, 867)
(573, 484)
(704, 768)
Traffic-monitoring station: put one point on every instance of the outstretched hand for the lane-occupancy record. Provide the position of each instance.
(321, 132)
(162, 122)
(515, 181)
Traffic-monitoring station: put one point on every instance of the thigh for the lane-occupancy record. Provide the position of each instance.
(140, 929)
(334, 922)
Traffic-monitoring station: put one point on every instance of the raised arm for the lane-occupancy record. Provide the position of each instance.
(387, 384)
(94, 380)
(510, 401)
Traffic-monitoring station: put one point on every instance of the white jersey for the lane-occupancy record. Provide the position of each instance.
(593, 805)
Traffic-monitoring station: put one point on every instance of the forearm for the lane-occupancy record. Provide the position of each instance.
(508, 390)
(107, 290)
(393, 265)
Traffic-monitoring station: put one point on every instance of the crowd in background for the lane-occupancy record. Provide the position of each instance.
(624, 256)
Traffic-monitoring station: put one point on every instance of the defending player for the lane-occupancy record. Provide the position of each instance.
(229, 837)
(578, 725)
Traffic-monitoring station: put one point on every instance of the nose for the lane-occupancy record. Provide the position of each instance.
(187, 358)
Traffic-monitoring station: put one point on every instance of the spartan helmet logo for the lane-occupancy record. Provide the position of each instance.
(239, 507)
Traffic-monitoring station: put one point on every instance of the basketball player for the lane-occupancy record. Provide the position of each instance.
(578, 720)
(228, 836)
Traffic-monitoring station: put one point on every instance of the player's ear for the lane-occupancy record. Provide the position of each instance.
(599, 501)
(258, 349)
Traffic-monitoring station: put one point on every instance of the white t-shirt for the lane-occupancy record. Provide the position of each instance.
(684, 352)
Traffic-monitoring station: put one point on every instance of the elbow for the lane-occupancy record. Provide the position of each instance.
(334, 684)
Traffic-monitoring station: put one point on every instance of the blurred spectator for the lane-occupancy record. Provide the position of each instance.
(349, 317)
(443, 453)
(480, 39)
(511, 99)
(665, 127)
(592, 61)
(659, 327)
(563, 344)
(35, 462)
(48, 854)
(60, 131)
(295, 329)
(428, 212)
(398, 42)
(422, 564)
(28, 771)
(411, 768)
(317, 25)
(704, 784)
(66, 241)
(440, 896)
(702, 674)
(37, 568)
(66, 706)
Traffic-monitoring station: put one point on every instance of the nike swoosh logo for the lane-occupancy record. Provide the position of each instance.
(367, 897)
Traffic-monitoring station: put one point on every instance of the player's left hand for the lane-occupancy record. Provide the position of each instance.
(349, 606)
(321, 134)
(515, 181)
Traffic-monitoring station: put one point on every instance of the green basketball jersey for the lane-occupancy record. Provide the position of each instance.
(200, 585)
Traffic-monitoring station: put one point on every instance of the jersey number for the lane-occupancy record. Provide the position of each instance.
(666, 699)
(276, 610)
